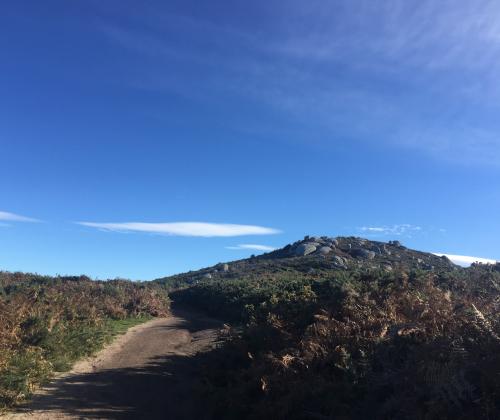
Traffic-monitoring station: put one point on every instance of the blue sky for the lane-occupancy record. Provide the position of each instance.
(136, 132)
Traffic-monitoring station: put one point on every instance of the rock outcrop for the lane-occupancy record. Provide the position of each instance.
(306, 248)
(363, 253)
(324, 250)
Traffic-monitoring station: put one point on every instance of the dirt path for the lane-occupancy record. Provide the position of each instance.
(148, 373)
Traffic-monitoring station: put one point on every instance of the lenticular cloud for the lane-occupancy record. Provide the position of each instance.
(255, 247)
(185, 228)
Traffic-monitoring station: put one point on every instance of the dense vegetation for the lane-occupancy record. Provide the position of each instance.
(361, 341)
(47, 323)
(325, 328)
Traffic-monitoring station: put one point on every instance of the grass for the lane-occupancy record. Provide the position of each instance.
(46, 324)
(30, 367)
(33, 366)
(87, 341)
(116, 327)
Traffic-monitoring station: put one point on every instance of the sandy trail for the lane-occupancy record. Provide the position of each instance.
(148, 373)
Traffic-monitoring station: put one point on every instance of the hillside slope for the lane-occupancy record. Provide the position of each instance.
(317, 255)
(341, 328)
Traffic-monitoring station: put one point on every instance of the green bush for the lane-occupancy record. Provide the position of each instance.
(406, 344)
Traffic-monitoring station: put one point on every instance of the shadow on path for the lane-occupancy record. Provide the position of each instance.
(166, 386)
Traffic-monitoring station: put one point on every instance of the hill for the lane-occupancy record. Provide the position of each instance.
(347, 328)
(324, 328)
(319, 256)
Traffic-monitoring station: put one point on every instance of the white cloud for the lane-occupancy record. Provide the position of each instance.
(465, 260)
(403, 229)
(202, 229)
(11, 217)
(254, 247)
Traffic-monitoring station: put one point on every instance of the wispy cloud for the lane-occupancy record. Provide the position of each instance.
(253, 247)
(202, 229)
(419, 76)
(399, 230)
(465, 260)
(11, 217)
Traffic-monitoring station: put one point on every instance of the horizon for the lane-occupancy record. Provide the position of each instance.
(461, 260)
(141, 141)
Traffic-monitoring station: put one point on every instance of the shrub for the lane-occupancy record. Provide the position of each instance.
(47, 323)
(407, 344)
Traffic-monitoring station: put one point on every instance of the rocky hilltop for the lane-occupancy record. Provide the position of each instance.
(350, 252)
(316, 255)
